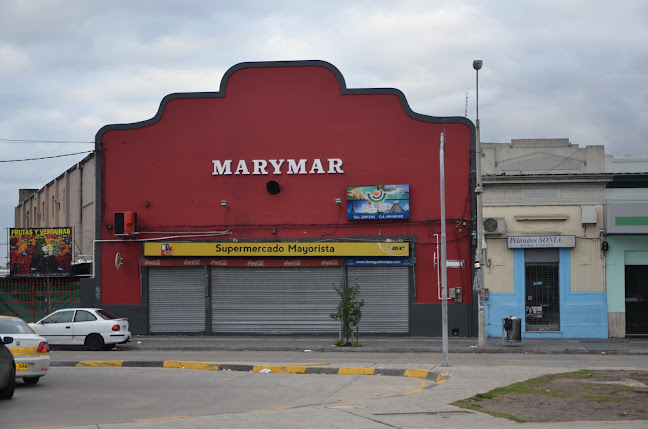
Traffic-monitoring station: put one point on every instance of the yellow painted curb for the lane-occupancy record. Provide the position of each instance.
(442, 378)
(437, 378)
(288, 369)
(419, 373)
(190, 365)
(356, 371)
(100, 363)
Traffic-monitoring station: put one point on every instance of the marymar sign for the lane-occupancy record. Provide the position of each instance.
(540, 241)
(281, 249)
(277, 166)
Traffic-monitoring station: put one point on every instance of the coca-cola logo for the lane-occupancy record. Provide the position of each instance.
(255, 263)
(221, 262)
(295, 263)
(193, 262)
(331, 262)
(153, 263)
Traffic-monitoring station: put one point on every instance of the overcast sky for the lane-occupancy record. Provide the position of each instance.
(552, 69)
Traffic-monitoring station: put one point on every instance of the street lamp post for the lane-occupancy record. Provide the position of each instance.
(444, 260)
(479, 250)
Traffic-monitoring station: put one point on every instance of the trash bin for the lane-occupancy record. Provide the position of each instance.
(513, 328)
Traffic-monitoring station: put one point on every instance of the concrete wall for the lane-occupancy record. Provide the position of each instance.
(587, 262)
(541, 156)
(67, 201)
(626, 163)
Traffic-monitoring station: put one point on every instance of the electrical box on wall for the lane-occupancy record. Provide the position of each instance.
(588, 214)
(125, 223)
(458, 295)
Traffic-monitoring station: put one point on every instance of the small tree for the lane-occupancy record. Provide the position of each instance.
(349, 309)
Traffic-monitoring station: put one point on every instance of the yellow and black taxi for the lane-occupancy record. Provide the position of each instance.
(31, 352)
(7, 369)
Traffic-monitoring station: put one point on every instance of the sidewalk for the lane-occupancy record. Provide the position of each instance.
(636, 346)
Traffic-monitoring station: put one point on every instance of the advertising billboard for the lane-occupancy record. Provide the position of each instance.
(40, 252)
(378, 202)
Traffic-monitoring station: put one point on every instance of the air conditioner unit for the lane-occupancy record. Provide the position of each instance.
(494, 225)
(124, 223)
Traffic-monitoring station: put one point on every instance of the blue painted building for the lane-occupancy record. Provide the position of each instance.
(543, 214)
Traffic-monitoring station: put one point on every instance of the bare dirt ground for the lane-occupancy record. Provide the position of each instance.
(588, 396)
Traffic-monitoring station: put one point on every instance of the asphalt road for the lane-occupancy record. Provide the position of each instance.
(89, 396)
(121, 398)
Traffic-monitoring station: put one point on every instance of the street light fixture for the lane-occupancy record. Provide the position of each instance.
(477, 65)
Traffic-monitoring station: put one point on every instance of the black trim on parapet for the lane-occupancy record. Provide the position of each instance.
(307, 63)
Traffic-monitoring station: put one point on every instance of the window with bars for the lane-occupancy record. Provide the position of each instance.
(542, 296)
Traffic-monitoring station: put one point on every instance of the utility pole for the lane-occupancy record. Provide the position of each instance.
(479, 249)
(444, 259)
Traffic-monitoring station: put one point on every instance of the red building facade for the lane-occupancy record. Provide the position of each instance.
(238, 211)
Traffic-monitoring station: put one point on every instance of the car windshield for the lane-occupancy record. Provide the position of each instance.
(106, 315)
(14, 326)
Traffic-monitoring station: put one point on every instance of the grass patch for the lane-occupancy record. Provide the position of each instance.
(536, 386)
(602, 398)
(539, 386)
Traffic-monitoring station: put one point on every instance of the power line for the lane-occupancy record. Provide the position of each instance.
(42, 141)
(46, 157)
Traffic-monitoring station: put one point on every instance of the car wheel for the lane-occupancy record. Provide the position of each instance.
(94, 342)
(31, 380)
(8, 391)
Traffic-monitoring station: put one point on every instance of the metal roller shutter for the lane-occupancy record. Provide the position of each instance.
(274, 300)
(177, 299)
(385, 291)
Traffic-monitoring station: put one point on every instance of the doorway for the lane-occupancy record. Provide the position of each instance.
(542, 290)
(636, 299)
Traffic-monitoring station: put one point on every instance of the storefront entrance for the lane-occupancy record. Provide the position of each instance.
(273, 296)
(177, 299)
(636, 299)
(542, 290)
(274, 300)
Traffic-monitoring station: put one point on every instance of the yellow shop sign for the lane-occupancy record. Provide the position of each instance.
(281, 249)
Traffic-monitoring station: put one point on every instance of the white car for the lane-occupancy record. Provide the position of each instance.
(31, 352)
(95, 328)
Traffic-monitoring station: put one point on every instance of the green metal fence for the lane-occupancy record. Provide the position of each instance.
(33, 298)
